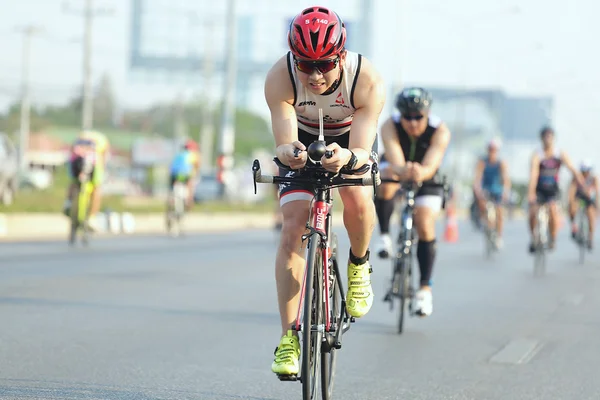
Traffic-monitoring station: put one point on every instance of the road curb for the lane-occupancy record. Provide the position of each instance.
(23, 226)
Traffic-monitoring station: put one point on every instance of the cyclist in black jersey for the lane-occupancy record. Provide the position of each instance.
(543, 182)
(415, 142)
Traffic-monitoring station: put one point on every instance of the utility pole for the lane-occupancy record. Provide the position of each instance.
(87, 114)
(207, 134)
(24, 127)
(227, 134)
(366, 27)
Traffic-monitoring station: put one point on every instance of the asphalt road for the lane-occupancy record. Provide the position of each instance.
(196, 318)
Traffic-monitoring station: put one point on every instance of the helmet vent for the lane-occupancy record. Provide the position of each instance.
(301, 36)
(314, 38)
(328, 35)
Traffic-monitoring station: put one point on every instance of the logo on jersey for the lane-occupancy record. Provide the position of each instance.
(339, 102)
(307, 103)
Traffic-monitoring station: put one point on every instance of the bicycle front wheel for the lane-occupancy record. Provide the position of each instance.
(405, 290)
(336, 315)
(312, 336)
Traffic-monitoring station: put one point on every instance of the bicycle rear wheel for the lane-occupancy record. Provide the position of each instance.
(313, 306)
(329, 358)
(539, 268)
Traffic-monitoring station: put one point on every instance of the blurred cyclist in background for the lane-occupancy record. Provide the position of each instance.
(543, 183)
(184, 168)
(492, 182)
(587, 196)
(415, 142)
(94, 146)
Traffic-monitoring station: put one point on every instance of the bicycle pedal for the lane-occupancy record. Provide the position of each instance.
(352, 319)
(288, 378)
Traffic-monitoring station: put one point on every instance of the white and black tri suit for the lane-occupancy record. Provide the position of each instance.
(338, 110)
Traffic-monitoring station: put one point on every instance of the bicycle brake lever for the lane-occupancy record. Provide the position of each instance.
(255, 169)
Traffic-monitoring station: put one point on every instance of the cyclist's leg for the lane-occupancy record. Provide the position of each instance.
(69, 195)
(533, 209)
(499, 207)
(97, 179)
(591, 215)
(189, 182)
(289, 269)
(384, 208)
(553, 218)
(480, 199)
(573, 205)
(428, 204)
(359, 217)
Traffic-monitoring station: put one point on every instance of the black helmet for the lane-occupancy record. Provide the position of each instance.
(413, 99)
(546, 129)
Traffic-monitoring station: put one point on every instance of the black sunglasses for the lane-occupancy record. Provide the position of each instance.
(413, 117)
(324, 66)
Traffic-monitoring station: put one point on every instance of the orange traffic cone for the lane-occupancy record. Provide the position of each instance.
(451, 234)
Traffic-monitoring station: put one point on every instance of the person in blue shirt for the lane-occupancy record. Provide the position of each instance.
(492, 182)
(184, 168)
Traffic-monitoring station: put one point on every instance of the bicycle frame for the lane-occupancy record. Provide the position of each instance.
(320, 222)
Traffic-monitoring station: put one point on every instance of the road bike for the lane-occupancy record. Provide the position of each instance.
(176, 208)
(322, 318)
(402, 284)
(541, 238)
(80, 204)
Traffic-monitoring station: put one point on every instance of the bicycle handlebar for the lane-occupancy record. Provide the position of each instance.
(317, 176)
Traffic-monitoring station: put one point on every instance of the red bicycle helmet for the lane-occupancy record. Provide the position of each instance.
(191, 145)
(316, 33)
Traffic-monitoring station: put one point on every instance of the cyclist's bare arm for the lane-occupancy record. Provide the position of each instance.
(393, 152)
(435, 153)
(279, 94)
(479, 167)
(572, 190)
(369, 98)
(534, 174)
(505, 178)
(569, 164)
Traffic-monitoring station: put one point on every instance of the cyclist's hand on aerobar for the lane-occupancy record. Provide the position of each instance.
(414, 171)
(293, 154)
(339, 158)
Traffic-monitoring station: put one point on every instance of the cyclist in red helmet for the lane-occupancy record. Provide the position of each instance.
(319, 72)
